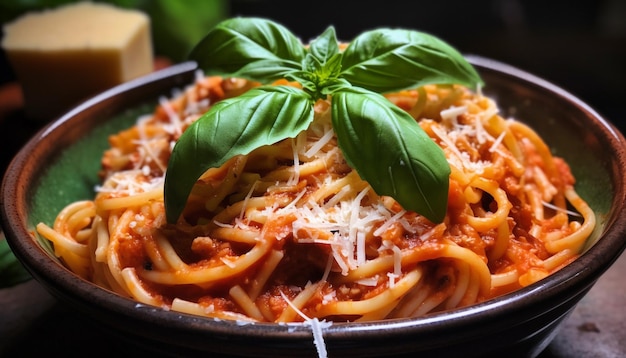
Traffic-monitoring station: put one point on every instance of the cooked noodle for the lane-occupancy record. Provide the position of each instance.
(291, 232)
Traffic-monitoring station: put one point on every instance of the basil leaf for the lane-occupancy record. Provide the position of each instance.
(251, 48)
(387, 60)
(11, 270)
(390, 150)
(325, 46)
(236, 126)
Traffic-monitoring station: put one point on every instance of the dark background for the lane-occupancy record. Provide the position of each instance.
(578, 45)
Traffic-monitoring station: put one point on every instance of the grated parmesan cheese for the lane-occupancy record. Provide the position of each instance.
(317, 328)
(320, 143)
(172, 115)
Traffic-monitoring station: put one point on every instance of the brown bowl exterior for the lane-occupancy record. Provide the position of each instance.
(518, 324)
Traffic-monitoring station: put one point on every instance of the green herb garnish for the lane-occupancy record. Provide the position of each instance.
(11, 270)
(383, 143)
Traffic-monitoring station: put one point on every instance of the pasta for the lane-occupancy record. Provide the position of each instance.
(290, 232)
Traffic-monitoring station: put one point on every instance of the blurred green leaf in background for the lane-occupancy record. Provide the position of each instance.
(11, 271)
(180, 25)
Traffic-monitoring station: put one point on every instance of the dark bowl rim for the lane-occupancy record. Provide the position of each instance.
(580, 274)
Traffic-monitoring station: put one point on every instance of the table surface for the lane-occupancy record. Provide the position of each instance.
(28, 313)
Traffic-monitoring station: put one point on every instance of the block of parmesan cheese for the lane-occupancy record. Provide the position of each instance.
(67, 54)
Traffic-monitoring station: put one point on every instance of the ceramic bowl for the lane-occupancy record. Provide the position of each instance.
(60, 164)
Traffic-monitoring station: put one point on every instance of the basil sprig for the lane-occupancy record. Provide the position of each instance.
(383, 143)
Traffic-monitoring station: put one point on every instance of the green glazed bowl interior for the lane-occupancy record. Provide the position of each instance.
(60, 164)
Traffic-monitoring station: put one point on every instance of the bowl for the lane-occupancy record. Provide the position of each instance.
(60, 164)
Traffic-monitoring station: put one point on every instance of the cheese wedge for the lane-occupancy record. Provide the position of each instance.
(65, 55)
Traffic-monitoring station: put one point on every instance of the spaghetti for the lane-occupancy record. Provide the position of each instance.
(291, 232)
